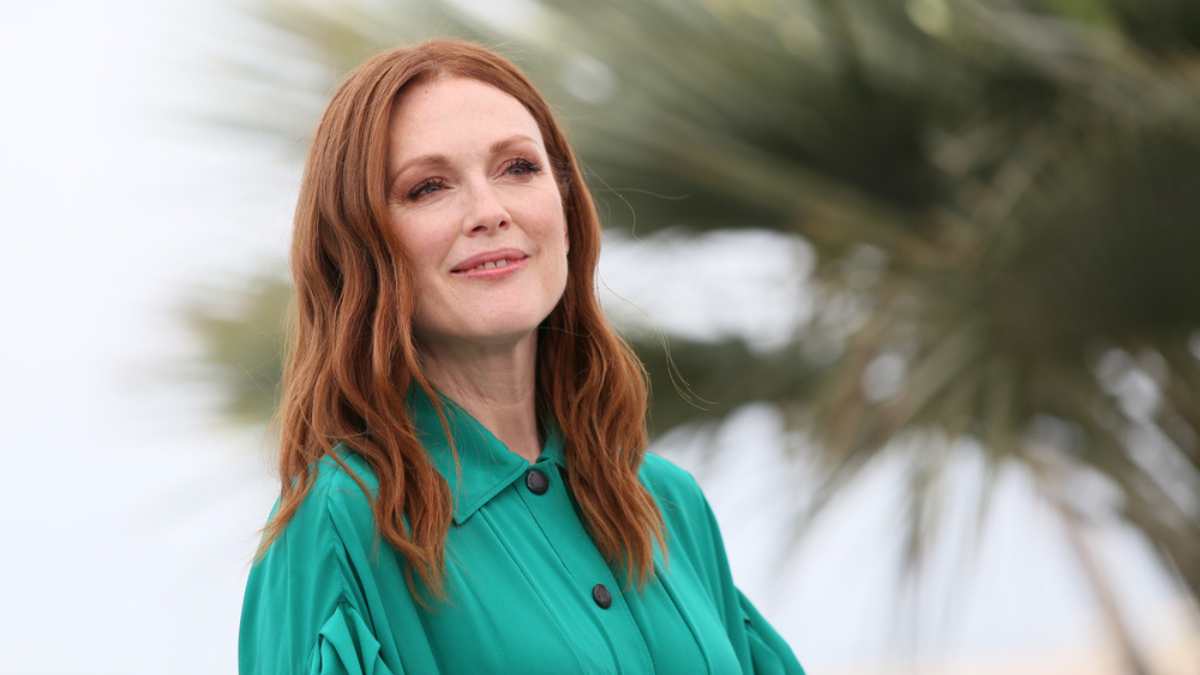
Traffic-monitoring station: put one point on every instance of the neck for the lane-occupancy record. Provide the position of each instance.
(495, 384)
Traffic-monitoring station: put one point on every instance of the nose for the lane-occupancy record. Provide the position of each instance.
(486, 212)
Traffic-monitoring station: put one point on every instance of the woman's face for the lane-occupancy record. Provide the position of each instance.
(469, 176)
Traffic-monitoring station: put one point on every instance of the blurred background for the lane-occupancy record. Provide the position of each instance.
(916, 282)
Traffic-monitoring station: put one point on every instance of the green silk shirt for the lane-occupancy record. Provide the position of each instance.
(528, 591)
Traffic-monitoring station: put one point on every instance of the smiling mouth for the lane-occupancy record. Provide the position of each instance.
(494, 269)
(491, 265)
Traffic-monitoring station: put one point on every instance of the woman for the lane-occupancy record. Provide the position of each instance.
(465, 487)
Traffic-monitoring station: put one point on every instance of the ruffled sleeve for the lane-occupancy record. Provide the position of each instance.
(317, 602)
(347, 646)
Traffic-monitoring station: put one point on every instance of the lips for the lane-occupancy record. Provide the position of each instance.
(509, 254)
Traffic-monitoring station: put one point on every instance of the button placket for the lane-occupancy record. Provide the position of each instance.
(560, 521)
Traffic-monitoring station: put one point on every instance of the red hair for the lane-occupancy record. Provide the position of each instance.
(351, 357)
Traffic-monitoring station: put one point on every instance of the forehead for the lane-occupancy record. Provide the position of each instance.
(455, 116)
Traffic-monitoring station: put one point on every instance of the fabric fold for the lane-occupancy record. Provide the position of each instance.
(346, 646)
(769, 653)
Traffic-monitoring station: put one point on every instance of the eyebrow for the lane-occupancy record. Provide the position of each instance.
(441, 160)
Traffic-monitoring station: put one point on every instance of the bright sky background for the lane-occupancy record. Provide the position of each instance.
(129, 514)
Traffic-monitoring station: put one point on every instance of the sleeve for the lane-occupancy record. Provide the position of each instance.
(305, 609)
(769, 654)
(760, 648)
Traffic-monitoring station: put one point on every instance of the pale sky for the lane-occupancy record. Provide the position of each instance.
(130, 515)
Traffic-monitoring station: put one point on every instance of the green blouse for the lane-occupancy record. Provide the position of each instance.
(528, 591)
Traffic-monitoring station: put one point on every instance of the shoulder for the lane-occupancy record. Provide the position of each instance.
(679, 495)
(692, 529)
(665, 478)
(337, 472)
(344, 488)
(335, 509)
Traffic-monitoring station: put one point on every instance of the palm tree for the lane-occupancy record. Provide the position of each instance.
(1000, 194)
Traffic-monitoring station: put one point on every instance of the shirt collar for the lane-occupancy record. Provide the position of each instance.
(488, 466)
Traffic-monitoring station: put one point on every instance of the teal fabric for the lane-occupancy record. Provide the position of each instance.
(329, 596)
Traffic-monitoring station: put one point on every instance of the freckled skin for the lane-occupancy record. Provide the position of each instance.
(475, 202)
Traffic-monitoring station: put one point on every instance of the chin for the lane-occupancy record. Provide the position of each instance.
(503, 319)
(510, 327)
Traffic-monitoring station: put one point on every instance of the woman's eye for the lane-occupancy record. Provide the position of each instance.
(518, 167)
(420, 190)
(523, 166)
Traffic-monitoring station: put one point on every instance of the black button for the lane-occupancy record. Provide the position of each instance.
(537, 482)
(601, 595)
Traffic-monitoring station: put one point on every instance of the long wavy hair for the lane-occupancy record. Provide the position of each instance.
(351, 356)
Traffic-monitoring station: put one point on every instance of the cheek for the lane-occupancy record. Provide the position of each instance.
(547, 221)
(554, 246)
(427, 248)
(426, 243)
